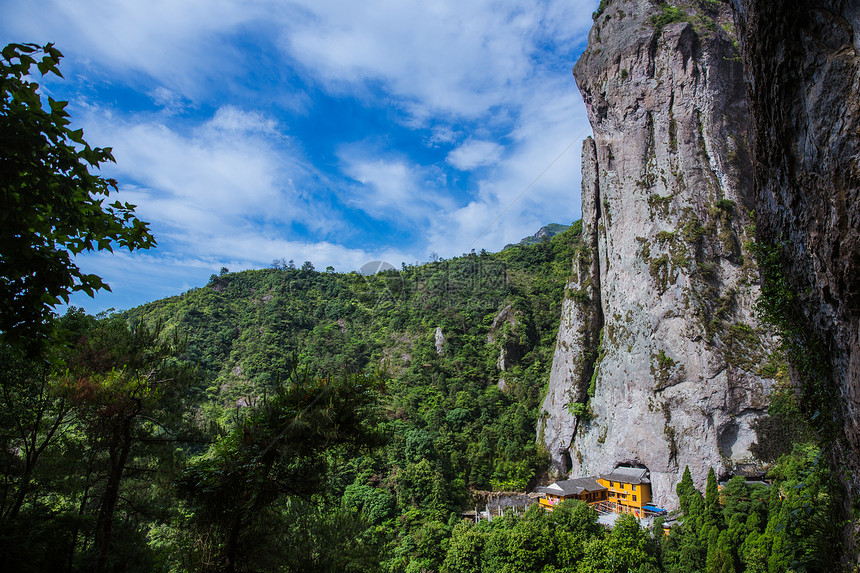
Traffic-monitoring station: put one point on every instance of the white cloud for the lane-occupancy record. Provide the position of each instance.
(387, 184)
(486, 86)
(441, 134)
(444, 56)
(393, 189)
(223, 176)
(227, 176)
(170, 101)
(536, 183)
(176, 43)
(232, 119)
(474, 154)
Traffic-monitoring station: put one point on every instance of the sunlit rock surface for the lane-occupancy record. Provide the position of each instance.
(663, 270)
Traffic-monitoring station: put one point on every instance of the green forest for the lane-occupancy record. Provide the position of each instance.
(287, 419)
(295, 420)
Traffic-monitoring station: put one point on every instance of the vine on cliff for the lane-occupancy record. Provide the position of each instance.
(778, 305)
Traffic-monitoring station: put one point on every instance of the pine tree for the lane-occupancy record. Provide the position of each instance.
(721, 560)
(712, 500)
(685, 489)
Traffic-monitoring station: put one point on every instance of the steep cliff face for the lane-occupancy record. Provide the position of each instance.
(659, 358)
(579, 330)
(802, 60)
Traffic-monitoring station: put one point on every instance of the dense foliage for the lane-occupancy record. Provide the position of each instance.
(292, 420)
(51, 206)
(88, 432)
(287, 419)
(446, 406)
(252, 423)
(753, 527)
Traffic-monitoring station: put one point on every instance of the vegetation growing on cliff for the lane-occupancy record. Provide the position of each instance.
(778, 306)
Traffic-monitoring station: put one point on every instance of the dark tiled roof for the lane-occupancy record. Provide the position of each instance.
(748, 471)
(572, 486)
(628, 475)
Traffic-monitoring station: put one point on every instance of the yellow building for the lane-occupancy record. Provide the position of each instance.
(624, 490)
(628, 490)
(585, 489)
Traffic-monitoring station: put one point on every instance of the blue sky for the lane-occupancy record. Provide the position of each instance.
(331, 131)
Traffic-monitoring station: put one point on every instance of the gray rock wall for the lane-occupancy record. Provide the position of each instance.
(667, 195)
(578, 337)
(802, 60)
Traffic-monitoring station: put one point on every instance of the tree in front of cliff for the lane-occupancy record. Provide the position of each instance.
(684, 549)
(720, 559)
(713, 518)
(626, 548)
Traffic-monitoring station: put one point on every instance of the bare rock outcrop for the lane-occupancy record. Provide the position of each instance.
(659, 356)
(504, 331)
(579, 330)
(439, 341)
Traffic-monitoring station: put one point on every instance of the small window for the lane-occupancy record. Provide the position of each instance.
(611, 484)
(634, 498)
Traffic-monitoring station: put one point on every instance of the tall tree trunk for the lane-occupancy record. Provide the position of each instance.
(232, 543)
(85, 497)
(119, 450)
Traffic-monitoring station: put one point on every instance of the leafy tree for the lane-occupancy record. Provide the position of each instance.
(719, 558)
(683, 551)
(31, 414)
(51, 207)
(685, 548)
(464, 550)
(376, 504)
(317, 537)
(92, 418)
(626, 548)
(692, 503)
(628, 544)
(124, 387)
(280, 449)
(801, 521)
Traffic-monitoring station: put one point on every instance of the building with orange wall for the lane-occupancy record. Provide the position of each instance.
(585, 489)
(624, 490)
(628, 488)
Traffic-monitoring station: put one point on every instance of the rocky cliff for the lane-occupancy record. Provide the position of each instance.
(659, 359)
(802, 60)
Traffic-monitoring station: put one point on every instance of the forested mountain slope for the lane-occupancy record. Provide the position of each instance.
(466, 345)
